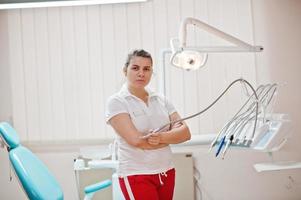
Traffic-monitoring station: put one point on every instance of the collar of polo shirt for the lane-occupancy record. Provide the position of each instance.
(126, 93)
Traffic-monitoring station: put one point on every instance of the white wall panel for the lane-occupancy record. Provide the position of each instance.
(83, 71)
(5, 87)
(31, 83)
(121, 44)
(95, 59)
(70, 76)
(247, 60)
(56, 73)
(17, 73)
(43, 73)
(108, 64)
(65, 62)
(134, 26)
(147, 26)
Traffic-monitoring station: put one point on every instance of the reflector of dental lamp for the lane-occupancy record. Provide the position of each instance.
(191, 58)
(187, 59)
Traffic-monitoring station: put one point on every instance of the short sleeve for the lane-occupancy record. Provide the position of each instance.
(114, 107)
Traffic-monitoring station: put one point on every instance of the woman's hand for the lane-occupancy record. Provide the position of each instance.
(178, 133)
(154, 138)
(177, 125)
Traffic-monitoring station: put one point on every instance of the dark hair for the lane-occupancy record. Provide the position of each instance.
(138, 53)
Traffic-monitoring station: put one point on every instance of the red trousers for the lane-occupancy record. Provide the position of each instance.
(150, 187)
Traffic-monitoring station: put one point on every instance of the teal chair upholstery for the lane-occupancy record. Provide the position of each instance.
(36, 180)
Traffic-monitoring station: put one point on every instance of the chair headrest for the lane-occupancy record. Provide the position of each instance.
(9, 135)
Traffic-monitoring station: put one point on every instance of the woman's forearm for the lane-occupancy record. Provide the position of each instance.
(176, 135)
(143, 144)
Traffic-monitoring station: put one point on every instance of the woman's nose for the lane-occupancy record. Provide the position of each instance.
(140, 73)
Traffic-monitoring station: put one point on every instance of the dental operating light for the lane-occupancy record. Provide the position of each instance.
(192, 58)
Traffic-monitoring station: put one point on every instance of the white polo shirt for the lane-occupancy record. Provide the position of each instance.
(132, 160)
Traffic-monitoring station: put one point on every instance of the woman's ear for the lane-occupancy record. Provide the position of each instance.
(125, 70)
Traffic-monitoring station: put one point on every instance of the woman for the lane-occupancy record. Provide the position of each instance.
(145, 169)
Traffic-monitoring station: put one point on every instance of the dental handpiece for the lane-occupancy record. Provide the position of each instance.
(220, 146)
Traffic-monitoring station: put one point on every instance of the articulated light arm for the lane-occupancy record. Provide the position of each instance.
(210, 29)
(196, 57)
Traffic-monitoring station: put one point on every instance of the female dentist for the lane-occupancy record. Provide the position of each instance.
(145, 168)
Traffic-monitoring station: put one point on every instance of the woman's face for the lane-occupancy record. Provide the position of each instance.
(139, 72)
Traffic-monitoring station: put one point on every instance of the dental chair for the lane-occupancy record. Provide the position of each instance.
(36, 180)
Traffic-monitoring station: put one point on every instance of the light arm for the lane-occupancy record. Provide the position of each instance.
(214, 31)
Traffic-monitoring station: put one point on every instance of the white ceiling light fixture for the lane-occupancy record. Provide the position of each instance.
(40, 4)
(192, 58)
